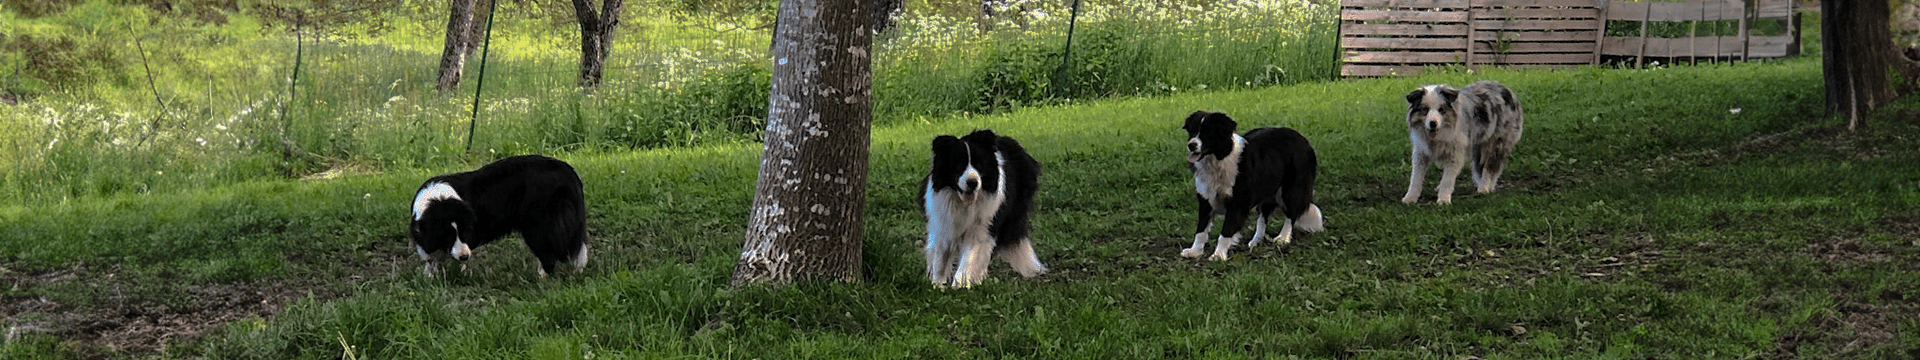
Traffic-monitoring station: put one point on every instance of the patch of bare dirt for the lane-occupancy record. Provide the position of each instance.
(1854, 329)
(1906, 227)
(1846, 250)
(121, 320)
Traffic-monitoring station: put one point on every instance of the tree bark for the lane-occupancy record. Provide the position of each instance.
(596, 38)
(1859, 52)
(459, 44)
(809, 202)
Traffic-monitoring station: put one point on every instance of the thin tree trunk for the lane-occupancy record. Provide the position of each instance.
(459, 44)
(808, 204)
(596, 38)
(1859, 52)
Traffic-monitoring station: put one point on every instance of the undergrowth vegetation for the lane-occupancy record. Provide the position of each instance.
(1686, 212)
(117, 99)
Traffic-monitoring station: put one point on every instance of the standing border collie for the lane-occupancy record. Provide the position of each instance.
(1269, 168)
(538, 196)
(977, 199)
(1449, 127)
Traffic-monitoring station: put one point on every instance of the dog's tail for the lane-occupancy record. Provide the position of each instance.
(580, 257)
(1021, 256)
(1310, 221)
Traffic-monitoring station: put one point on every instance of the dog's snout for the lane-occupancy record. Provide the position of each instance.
(1193, 145)
(969, 180)
(461, 251)
(1433, 125)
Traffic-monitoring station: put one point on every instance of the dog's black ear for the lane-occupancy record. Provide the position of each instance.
(1221, 118)
(943, 141)
(983, 138)
(1193, 120)
(1415, 96)
(1450, 94)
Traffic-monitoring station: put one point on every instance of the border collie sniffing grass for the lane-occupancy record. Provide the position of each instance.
(977, 199)
(1269, 168)
(538, 196)
(1449, 127)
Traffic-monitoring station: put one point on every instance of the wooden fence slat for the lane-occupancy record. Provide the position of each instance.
(1403, 57)
(1773, 9)
(1537, 3)
(1583, 47)
(1500, 14)
(1771, 46)
(1397, 29)
(1413, 36)
(1710, 10)
(1381, 70)
(1404, 15)
(1405, 4)
(1728, 46)
(1403, 43)
(1627, 11)
(1537, 59)
(1486, 25)
(1571, 35)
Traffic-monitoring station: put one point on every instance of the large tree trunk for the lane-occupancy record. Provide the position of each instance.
(1859, 52)
(808, 204)
(596, 38)
(459, 44)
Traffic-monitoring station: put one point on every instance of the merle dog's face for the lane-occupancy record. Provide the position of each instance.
(441, 224)
(1430, 108)
(965, 164)
(1209, 133)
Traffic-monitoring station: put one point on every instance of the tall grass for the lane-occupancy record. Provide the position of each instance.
(228, 109)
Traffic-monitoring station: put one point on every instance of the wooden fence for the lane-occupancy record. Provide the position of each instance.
(1403, 37)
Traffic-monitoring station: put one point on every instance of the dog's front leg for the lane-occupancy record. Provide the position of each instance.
(975, 252)
(1229, 231)
(1420, 164)
(1200, 229)
(939, 264)
(1449, 173)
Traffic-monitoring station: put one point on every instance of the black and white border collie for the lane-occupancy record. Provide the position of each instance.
(1450, 127)
(1269, 168)
(977, 199)
(538, 196)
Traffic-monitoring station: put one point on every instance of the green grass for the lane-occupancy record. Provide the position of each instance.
(1641, 218)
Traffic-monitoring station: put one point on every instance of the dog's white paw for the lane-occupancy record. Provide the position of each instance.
(1256, 241)
(1409, 199)
(1219, 256)
(1444, 200)
(1283, 239)
(1193, 253)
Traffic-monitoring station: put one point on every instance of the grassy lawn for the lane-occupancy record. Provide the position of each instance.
(1679, 213)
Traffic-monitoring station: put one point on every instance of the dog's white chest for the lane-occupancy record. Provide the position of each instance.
(1214, 178)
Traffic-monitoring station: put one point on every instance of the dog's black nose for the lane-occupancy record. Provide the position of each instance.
(972, 184)
(1191, 147)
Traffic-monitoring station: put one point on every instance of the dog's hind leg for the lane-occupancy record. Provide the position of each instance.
(1492, 161)
(1260, 226)
(1021, 256)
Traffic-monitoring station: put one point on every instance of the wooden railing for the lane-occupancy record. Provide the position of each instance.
(1404, 37)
